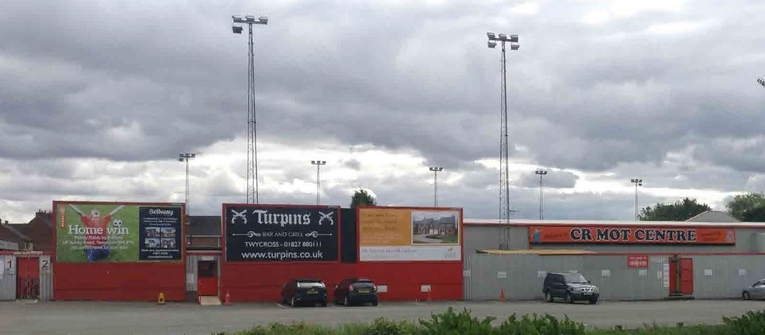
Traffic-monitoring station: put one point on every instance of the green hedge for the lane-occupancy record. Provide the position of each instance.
(463, 323)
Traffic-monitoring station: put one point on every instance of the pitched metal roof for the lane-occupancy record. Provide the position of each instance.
(204, 225)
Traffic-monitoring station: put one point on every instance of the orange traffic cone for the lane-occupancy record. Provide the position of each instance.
(161, 299)
(502, 295)
(227, 301)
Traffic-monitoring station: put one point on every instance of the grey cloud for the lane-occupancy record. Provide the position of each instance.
(352, 164)
(610, 98)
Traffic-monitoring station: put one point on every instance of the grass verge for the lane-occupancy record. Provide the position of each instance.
(453, 322)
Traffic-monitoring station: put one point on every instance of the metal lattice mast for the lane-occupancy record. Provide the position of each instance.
(504, 185)
(504, 164)
(252, 151)
(252, 142)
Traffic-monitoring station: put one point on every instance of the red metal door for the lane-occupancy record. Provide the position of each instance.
(207, 278)
(686, 275)
(27, 278)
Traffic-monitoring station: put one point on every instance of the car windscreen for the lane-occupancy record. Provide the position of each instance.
(363, 284)
(575, 278)
(309, 284)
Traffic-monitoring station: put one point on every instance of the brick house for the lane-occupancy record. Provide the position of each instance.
(443, 226)
(36, 235)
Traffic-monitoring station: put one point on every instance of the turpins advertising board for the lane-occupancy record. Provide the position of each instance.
(281, 233)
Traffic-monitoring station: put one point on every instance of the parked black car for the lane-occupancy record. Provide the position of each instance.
(570, 286)
(354, 291)
(304, 291)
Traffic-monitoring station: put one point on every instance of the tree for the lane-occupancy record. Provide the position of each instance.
(756, 214)
(743, 203)
(681, 210)
(362, 198)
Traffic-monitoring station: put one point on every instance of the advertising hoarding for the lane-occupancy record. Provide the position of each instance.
(118, 232)
(280, 233)
(631, 235)
(405, 234)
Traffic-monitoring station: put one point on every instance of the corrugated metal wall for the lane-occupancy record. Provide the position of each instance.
(8, 278)
(725, 276)
(46, 278)
(191, 273)
(521, 276)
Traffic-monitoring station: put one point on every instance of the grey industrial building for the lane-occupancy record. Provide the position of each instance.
(709, 256)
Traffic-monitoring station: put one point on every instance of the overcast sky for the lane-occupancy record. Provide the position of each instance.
(97, 99)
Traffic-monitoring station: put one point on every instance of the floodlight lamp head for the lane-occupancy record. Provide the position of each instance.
(491, 35)
(513, 38)
(250, 17)
(514, 46)
(180, 159)
(492, 45)
(236, 29)
(502, 36)
(263, 20)
(236, 18)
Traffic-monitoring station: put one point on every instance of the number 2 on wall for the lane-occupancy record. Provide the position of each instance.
(45, 264)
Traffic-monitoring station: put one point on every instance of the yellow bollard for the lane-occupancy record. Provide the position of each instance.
(161, 299)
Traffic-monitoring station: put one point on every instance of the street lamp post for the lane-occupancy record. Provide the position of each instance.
(540, 173)
(181, 158)
(504, 169)
(318, 180)
(252, 146)
(637, 182)
(435, 170)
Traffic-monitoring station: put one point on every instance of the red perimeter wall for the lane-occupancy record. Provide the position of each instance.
(119, 281)
(404, 279)
(262, 282)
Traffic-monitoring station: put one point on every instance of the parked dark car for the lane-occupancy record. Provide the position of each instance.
(304, 291)
(756, 291)
(569, 286)
(355, 291)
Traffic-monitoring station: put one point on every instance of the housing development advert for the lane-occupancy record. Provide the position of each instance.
(114, 232)
(260, 233)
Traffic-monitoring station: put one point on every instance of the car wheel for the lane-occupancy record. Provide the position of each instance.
(374, 303)
(323, 304)
(745, 295)
(346, 302)
(569, 298)
(548, 297)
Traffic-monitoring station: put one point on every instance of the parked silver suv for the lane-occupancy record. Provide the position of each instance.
(570, 286)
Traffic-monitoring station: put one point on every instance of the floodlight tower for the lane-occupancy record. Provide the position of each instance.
(435, 170)
(318, 177)
(184, 157)
(541, 173)
(504, 169)
(637, 182)
(252, 146)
